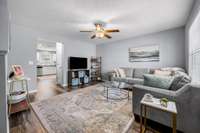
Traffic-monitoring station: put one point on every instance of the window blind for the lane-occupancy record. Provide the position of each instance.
(195, 66)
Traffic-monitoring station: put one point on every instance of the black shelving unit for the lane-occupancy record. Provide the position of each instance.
(95, 74)
(78, 77)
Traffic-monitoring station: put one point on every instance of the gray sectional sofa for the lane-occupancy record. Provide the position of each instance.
(133, 75)
(185, 94)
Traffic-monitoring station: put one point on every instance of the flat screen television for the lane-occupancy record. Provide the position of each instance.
(77, 63)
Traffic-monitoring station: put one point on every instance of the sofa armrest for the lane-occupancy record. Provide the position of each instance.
(107, 76)
(187, 102)
(157, 92)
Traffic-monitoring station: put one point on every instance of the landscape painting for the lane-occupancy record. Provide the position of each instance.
(144, 54)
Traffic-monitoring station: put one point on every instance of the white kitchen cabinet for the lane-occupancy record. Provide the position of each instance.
(49, 70)
(46, 70)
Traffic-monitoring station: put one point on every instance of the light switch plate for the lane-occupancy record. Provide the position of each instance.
(30, 62)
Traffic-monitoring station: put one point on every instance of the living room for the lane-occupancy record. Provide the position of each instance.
(114, 55)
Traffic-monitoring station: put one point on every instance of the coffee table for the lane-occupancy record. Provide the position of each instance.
(115, 90)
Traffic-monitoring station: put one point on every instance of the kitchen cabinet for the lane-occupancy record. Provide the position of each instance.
(43, 70)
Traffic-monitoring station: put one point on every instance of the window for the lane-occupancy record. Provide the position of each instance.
(195, 66)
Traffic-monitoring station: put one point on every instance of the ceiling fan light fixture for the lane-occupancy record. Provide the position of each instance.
(100, 31)
(99, 34)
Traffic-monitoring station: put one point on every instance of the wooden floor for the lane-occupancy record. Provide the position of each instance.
(26, 122)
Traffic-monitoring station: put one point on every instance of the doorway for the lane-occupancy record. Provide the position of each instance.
(49, 56)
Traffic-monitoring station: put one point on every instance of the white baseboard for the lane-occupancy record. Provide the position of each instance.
(33, 91)
(64, 85)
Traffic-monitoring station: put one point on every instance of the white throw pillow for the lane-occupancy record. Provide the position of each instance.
(121, 73)
(116, 72)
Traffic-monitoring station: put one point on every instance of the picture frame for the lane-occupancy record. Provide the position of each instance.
(148, 53)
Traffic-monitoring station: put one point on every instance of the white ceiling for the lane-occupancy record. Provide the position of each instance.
(132, 17)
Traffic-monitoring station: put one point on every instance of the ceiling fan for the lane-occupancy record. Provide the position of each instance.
(100, 31)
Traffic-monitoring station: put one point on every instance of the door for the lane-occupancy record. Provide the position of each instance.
(59, 63)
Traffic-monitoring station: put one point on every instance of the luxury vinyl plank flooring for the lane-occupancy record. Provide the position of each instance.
(26, 121)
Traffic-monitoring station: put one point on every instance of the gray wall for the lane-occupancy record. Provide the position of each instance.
(192, 31)
(23, 49)
(172, 50)
(4, 25)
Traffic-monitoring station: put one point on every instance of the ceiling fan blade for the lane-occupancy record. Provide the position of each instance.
(108, 36)
(86, 31)
(112, 30)
(92, 37)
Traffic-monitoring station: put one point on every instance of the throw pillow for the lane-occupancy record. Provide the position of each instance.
(121, 73)
(163, 72)
(173, 69)
(128, 71)
(116, 72)
(157, 81)
(180, 79)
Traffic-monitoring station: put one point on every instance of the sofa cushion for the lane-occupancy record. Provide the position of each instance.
(136, 81)
(128, 71)
(119, 79)
(180, 79)
(163, 82)
(139, 72)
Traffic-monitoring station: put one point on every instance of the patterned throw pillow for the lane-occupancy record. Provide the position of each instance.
(180, 79)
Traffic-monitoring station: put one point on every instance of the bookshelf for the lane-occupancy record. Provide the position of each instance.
(95, 69)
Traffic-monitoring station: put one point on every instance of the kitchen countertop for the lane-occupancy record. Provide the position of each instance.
(46, 65)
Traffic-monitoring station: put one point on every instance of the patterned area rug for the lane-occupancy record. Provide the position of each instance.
(84, 111)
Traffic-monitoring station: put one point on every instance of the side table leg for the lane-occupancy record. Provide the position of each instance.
(107, 93)
(141, 110)
(27, 92)
(128, 94)
(10, 91)
(174, 122)
(9, 110)
(145, 117)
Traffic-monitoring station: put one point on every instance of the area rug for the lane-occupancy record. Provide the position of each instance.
(83, 111)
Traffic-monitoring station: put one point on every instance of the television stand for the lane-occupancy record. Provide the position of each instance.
(78, 77)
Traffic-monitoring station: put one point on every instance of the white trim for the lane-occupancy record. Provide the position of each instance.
(64, 85)
(33, 91)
